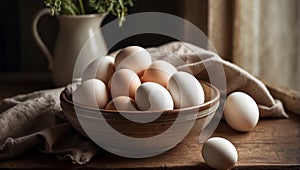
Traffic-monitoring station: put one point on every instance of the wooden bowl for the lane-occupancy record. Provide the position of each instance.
(112, 131)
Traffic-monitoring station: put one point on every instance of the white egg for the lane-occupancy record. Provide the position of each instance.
(122, 103)
(154, 97)
(241, 111)
(91, 93)
(159, 72)
(134, 58)
(102, 68)
(124, 82)
(185, 90)
(219, 153)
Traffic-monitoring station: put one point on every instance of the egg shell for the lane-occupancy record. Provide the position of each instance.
(124, 82)
(91, 93)
(159, 72)
(241, 111)
(219, 153)
(122, 103)
(134, 58)
(102, 68)
(186, 90)
(153, 97)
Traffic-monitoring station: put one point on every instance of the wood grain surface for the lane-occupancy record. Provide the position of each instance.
(273, 144)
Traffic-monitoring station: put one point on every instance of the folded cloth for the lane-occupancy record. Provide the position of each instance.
(186, 56)
(36, 119)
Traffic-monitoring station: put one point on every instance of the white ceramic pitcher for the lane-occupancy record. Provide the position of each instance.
(75, 32)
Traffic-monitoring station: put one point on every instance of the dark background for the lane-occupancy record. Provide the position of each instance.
(20, 53)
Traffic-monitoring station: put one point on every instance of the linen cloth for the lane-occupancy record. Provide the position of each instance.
(37, 120)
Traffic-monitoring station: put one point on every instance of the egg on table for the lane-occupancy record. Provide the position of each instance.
(159, 72)
(241, 111)
(91, 93)
(186, 90)
(219, 153)
(134, 58)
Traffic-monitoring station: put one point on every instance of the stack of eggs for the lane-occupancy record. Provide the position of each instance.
(131, 82)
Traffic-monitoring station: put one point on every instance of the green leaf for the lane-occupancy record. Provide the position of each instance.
(80, 7)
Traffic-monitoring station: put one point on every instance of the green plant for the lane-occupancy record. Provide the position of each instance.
(81, 7)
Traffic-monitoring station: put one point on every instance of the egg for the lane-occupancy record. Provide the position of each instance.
(134, 58)
(102, 68)
(124, 82)
(241, 112)
(219, 153)
(186, 90)
(153, 97)
(91, 93)
(159, 72)
(122, 103)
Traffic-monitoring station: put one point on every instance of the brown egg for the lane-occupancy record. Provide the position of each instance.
(124, 82)
(122, 103)
(102, 68)
(134, 58)
(159, 72)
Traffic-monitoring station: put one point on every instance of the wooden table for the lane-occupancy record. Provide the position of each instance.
(273, 144)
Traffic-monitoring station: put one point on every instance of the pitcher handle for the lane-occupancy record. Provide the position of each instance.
(37, 37)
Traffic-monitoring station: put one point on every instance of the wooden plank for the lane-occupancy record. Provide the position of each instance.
(220, 26)
(196, 12)
(273, 143)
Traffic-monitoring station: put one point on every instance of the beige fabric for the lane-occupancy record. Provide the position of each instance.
(237, 79)
(261, 36)
(36, 119)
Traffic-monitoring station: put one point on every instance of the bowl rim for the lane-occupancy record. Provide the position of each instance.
(64, 100)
